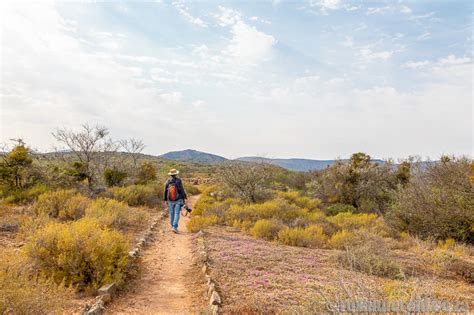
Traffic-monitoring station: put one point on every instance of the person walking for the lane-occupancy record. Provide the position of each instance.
(175, 196)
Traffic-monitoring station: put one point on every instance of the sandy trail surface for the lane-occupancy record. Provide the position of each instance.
(169, 281)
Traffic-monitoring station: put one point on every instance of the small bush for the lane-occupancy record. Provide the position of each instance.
(219, 209)
(312, 236)
(294, 197)
(204, 202)
(342, 239)
(371, 256)
(274, 209)
(138, 195)
(62, 204)
(266, 229)
(22, 196)
(113, 213)
(351, 222)
(114, 177)
(146, 173)
(198, 223)
(23, 292)
(192, 189)
(245, 225)
(80, 253)
(339, 208)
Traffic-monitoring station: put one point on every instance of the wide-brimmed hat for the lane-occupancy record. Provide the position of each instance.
(173, 172)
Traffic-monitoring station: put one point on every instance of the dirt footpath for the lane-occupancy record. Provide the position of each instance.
(169, 282)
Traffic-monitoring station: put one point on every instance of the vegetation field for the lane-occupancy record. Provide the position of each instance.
(261, 277)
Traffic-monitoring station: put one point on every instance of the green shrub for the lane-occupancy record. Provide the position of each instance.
(266, 229)
(24, 292)
(80, 253)
(114, 177)
(339, 208)
(113, 213)
(198, 223)
(22, 196)
(192, 189)
(312, 236)
(138, 195)
(369, 254)
(146, 173)
(62, 204)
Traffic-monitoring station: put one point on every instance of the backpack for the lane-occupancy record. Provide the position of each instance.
(173, 194)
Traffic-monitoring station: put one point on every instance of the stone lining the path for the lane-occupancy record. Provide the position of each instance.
(215, 301)
(106, 292)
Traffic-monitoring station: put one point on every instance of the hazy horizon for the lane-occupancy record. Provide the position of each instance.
(310, 79)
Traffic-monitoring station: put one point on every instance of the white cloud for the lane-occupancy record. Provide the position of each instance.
(390, 9)
(421, 117)
(198, 103)
(453, 60)
(422, 16)
(424, 36)
(50, 79)
(172, 97)
(328, 4)
(249, 45)
(348, 42)
(405, 9)
(184, 11)
(416, 64)
(332, 5)
(258, 19)
(368, 55)
(227, 16)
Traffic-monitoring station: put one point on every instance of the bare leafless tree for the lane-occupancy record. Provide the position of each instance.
(134, 147)
(90, 145)
(247, 180)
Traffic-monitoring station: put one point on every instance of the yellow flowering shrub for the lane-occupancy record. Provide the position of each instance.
(312, 236)
(138, 195)
(198, 222)
(113, 213)
(80, 253)
(62, 204)
(24, 292)
(266, 229)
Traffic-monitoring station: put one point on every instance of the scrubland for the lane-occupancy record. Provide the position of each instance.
(300, 249)
(67, 222)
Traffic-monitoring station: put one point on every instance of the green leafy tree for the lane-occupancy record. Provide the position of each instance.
(13, 169)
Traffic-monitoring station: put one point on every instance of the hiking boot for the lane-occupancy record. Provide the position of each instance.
(175, 230)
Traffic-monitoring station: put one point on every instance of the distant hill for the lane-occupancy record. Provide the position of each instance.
(292, 164)
(193, 156)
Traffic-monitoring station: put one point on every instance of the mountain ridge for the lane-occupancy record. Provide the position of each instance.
(294, 164)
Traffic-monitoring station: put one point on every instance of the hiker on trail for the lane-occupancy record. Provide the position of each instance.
(176, 197)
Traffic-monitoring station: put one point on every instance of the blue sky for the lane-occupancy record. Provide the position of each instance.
(315, 79)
